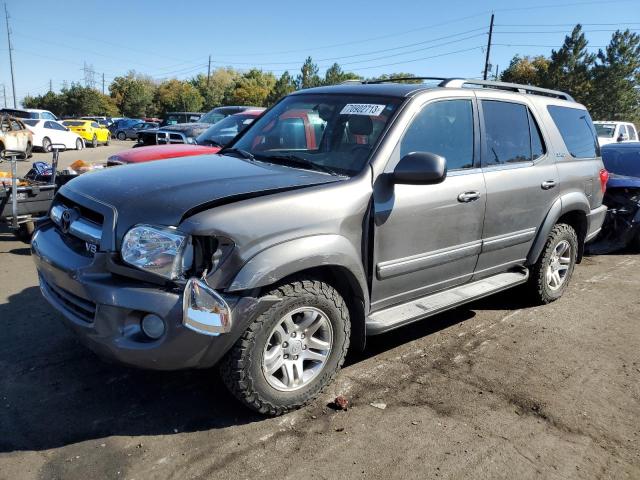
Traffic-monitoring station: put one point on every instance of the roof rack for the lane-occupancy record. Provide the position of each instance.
(391, 80)
(512, 87)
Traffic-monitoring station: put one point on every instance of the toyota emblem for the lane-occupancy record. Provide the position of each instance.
(66, 218)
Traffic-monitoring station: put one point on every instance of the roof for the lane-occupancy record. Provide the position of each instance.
(399, 90)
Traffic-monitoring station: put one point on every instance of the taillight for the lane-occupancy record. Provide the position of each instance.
(604, 178)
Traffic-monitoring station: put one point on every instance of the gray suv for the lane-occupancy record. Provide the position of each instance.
(340, 213)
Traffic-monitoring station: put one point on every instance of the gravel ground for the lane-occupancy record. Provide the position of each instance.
(497, 389)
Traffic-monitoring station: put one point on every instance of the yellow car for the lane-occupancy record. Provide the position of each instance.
(91, 131)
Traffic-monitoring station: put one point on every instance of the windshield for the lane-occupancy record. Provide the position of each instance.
(225, 130)
(605, 131)
(621, 161)
(211, 117)
(328, 132)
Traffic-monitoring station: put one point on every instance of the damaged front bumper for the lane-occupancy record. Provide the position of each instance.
(106, 310)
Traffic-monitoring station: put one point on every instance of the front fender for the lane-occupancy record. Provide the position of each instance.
(284, 259)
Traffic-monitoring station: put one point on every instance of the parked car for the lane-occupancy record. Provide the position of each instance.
(187, 132)
(621, 228)
(209, 141)
(104, 121)
(90, 131)
(123, 123)
(15, 136)
(131, 131)
(612, 132)
(172, 118)
(29, 113)
(48, 132)
(296, 241)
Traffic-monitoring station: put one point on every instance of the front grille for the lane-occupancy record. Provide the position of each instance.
(79, 307)
(170, 137)
(79, 226)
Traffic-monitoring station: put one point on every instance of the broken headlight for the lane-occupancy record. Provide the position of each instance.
(164, 251)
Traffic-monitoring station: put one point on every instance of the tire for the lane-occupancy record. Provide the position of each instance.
(545, 287)
(29, 152)
(121, 136)
(79, 144)
(46, 144)
(94, 141)
(107, 141)
(303, 301)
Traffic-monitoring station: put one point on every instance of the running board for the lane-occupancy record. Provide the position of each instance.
(399, 315)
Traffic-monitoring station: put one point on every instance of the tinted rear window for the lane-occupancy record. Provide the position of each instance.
(74, 123)
(31, 123)
(577, 131)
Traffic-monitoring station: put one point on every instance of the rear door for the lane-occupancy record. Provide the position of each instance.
(428, 237)
(521, 178)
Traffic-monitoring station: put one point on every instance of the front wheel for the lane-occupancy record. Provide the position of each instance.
(29, 151)
(94, 141)
(292, 351)
(552, 272)
(79, 144)
(121, 136)
(46, 144)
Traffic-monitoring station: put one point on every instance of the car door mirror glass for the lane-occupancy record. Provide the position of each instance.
(420, 168)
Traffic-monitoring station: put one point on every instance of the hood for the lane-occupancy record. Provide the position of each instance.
(161, 152)
(622, 181)
(163, 193)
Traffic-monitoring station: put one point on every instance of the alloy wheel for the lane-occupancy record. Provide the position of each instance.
(559, 264)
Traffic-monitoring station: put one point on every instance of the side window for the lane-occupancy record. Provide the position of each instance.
(444, 128)
(48, 115)
(48, 125)
(16, 126)
(576, 129)
(537, 144)
(507, 134)
(95, 125)
(56, 126)
(633, 135)
(623, 131)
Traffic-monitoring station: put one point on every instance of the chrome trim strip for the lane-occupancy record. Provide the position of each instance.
(86, 230)
(421, 261)
(507, 240)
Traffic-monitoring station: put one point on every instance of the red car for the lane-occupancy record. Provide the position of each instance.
(210, 141)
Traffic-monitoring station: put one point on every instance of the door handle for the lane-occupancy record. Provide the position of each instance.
(548, 184)
(466, 197)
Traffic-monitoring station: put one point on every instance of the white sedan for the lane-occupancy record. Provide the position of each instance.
(49, 132)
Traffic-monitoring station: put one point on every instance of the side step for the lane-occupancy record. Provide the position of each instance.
(399, 315)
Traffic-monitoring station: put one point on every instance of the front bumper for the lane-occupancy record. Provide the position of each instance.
(105, 310)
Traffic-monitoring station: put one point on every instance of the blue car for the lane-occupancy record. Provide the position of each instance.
(621, 228)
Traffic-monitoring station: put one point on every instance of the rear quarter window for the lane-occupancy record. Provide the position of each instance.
(577, 131)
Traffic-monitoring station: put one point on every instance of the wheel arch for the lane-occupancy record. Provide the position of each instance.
(330, 258)
(571, 209)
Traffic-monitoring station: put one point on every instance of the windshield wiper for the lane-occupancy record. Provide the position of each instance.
(238, 151)
(297, 161)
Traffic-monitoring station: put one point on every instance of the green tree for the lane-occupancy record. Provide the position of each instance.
(527, 70)
(308, 75)
(334, 75)
(253, 88)
(616, 93)
(390, 76)
(49, 101)
(218, 91)
(133, 94)
(178, 96)
(78, 101)
(283, 86)
(570, 66)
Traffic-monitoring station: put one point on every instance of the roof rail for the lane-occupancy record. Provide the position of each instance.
(396, 79)
(512, 87)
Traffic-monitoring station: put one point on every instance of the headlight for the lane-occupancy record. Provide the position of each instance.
(161, 250)
(191, 140)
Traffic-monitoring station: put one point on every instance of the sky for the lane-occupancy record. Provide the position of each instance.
(53, 40)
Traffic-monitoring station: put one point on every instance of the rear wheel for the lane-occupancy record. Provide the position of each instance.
(79, 144)
(29, 151)
(46, 144)
(122, 136)
(108, 140)
(290, 352)
(552, 272)
(94, 141)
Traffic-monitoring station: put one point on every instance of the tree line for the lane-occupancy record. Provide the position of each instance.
(607, 82)
(138, 95)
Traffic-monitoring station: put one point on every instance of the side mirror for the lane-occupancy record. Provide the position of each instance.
(420, 168)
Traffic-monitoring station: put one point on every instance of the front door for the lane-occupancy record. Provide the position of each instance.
(428, 237)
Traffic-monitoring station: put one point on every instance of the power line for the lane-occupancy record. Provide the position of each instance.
(565, 24)
(479, 47)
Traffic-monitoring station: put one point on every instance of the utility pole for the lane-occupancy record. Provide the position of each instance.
(4, 94)
(50, 85)
(486, 60)
(13, 81)
(209, 71)
(103, 83)
(496, 74)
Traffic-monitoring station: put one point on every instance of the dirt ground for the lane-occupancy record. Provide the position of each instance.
(497, 389)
